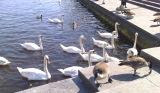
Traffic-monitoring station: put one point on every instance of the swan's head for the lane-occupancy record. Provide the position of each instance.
(132, 52)
(82, 37)
(91, 51)
(117, 23)
(136, 34)
(46, 57)
(115, 34)
(40, 36)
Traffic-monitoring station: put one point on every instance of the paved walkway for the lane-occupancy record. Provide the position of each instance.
(141, 19)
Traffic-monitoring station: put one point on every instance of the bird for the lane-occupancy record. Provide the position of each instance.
(156, 14)
(75, 25)
(73, 49)
(136, 62)
(56, 20)
(91, 56)
(133, 50)
(36, 74)
(39, 17)
(100, 43)
(109, 35)
(32, 46)
(71, 71)
(128, 13)
(101, 71)
(157, 19)
(4, 61)
(59, 1)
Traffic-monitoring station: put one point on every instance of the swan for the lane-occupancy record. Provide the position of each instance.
(32, 46)
(4, 61)
(36, 74)
(59, 1)
(91, 57)
(71, 71)
(133, 51)
(73, 49)
(100, 43)
(56, 20)
(109, 35)
(39, 17)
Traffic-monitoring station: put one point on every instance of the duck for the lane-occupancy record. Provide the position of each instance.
(91, 56)
(56, 20)
(101, 71)
(36, 74)
(136, 62)
(156, 14)
(100, 43)
(129, 13)
(133, 51)
(73, 49)
(32, 46)
(157, 19)
(71, 71)
(109, 35)
(4, 61)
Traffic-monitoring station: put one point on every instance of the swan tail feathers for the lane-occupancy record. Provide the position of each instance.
(61, 70)
(20, 69)
(62, 46)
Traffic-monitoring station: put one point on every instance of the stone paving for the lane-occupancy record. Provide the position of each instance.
(141, 19)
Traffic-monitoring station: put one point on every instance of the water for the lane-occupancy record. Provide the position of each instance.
(18, 24)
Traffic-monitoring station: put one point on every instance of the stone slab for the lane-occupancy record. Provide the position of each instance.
(63, 86)
(124, 81)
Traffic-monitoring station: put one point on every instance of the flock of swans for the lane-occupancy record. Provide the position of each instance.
(91, 56)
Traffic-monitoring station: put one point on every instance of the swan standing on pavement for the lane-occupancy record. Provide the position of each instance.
(109, 35)
(133, 51)
(32, 46)
(73, 49)
(4, 61)
(36, 74)
(56, 20)
(71, 71)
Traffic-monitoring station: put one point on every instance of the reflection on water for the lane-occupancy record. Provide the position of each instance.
(18, 24)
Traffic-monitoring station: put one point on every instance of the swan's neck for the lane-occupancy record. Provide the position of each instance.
(116, 27)
(40, 43)
(81, 45)
(104, 51)
(135, 41)
(46, 68)
(89, 59)
(112, 42)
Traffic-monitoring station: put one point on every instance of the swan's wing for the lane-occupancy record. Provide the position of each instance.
(73, 49)
(30, 46)
(4, 61)
(33, 74)
(72, 71)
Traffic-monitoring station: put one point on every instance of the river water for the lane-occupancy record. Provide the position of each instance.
(18, 24)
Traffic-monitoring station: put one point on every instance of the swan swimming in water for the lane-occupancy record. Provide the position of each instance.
(32, 46)
(73, 49)
(71, 71)
(56, 20)
(36, 74)
(100, 43)
(4, 61)
(110, 35)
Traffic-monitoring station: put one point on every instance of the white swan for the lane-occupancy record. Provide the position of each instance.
(133, 51)
(32, 46)
(56, 20)
(91, 57)
(110, 35)
(73, 49)
(4, 61)
(36, 74)
(100, 43)
(71, 71)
